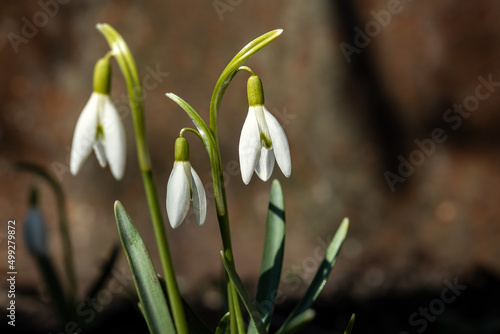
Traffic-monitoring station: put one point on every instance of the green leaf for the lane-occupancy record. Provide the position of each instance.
(321, 276)
(224, 325)
(350, 324)
(272, 258)
(200, 124)
(244, 295)
(300, 321)
(153, 302)
(194, 322)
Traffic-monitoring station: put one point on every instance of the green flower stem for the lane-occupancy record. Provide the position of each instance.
(217, 174)
(246, 68)
(231, 69)
(233, 322)
(220, 203)
(236, 315)
(236, 324)
(127, 65)
(181, 133)
(63, 226)
(220, 88)
(237, 310)
(121, 52)
(209, 136)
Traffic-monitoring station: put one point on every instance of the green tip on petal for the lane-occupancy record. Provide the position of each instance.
(181, 149)
(255, 91)
(102, 76)
(266, 141)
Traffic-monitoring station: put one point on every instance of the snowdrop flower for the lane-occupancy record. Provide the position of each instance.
(184, 186)
(262, 139)
(99, 127)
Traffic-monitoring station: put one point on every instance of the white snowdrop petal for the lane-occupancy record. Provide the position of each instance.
(199, 199)
(280, 144)
(178, 194)
(249, 146)
(265, 166)
(114, 139)
(100, 153)
(85, 133)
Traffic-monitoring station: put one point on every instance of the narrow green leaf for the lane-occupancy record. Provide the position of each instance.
(321, 276)
(223, 327)
(244, 295)
(200, 124)
(272, 258)
(194, 322)
(300, 321)
(141, 309)
(350, 325)
(153, 302)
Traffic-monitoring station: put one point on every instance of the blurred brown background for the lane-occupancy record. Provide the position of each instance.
(357, 86)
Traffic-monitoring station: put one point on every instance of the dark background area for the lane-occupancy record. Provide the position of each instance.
(360, 87)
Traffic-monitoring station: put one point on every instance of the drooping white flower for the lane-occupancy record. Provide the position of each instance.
(262, 139)
(35, 233)
(99, 128)
(184, 185)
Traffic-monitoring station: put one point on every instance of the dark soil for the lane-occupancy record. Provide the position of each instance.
(469, 306)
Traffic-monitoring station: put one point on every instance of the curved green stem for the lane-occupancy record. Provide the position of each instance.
(236, 323)
(230, 70)
(127, 65)
(220, 88)
(245, 68)
(181, 133)
(63, 226)
(209, 136)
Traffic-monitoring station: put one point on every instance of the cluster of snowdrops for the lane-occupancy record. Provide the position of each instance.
(262, 144)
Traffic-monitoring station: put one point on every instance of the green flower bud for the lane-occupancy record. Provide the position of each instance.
(255, 91)
(181, 149)
(102, 76)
